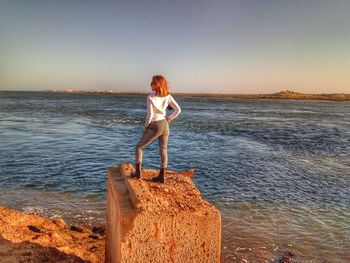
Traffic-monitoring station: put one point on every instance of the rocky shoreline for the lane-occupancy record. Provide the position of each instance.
(32, 238)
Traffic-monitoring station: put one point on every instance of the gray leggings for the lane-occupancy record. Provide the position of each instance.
(160, 130)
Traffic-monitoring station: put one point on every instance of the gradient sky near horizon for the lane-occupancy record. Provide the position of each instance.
(221, 46)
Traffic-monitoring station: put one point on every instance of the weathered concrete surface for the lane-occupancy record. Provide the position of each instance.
(153, 222)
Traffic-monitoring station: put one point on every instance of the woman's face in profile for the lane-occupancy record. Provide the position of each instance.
(153, 86)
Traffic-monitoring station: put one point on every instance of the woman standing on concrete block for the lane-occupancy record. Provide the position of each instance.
(157, 125)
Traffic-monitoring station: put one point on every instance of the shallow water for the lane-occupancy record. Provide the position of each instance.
(279, 171)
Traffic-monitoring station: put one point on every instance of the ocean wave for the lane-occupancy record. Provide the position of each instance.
(112, 122)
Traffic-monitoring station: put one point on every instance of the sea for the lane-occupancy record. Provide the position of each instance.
(278, 170)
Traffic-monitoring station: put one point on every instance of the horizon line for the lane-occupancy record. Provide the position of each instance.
(111, 91)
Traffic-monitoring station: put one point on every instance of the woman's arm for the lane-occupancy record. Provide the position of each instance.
(176, 108)
(149, 112)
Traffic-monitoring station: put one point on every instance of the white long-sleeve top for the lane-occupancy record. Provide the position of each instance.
(156, 108)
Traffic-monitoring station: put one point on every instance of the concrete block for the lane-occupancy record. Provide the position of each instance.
(153, 222)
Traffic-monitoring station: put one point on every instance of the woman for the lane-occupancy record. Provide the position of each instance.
(157, 125)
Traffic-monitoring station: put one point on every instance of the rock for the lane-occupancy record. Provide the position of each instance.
(101, 230)
(60, 222)
(94, 237)
(285, 257)
(188, 173)
(77, 229)
(93, 249)
(59, 239)
(34, 229)
(26, 253)
(32, 238)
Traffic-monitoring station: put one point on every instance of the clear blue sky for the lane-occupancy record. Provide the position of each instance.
(233, 46)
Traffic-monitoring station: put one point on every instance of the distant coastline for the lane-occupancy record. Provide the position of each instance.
(288, 95)
(282, 95)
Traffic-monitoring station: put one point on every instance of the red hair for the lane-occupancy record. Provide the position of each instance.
(162, 87)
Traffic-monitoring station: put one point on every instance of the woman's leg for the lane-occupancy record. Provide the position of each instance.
(148, 136)
(163, 144)
(163, 150)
